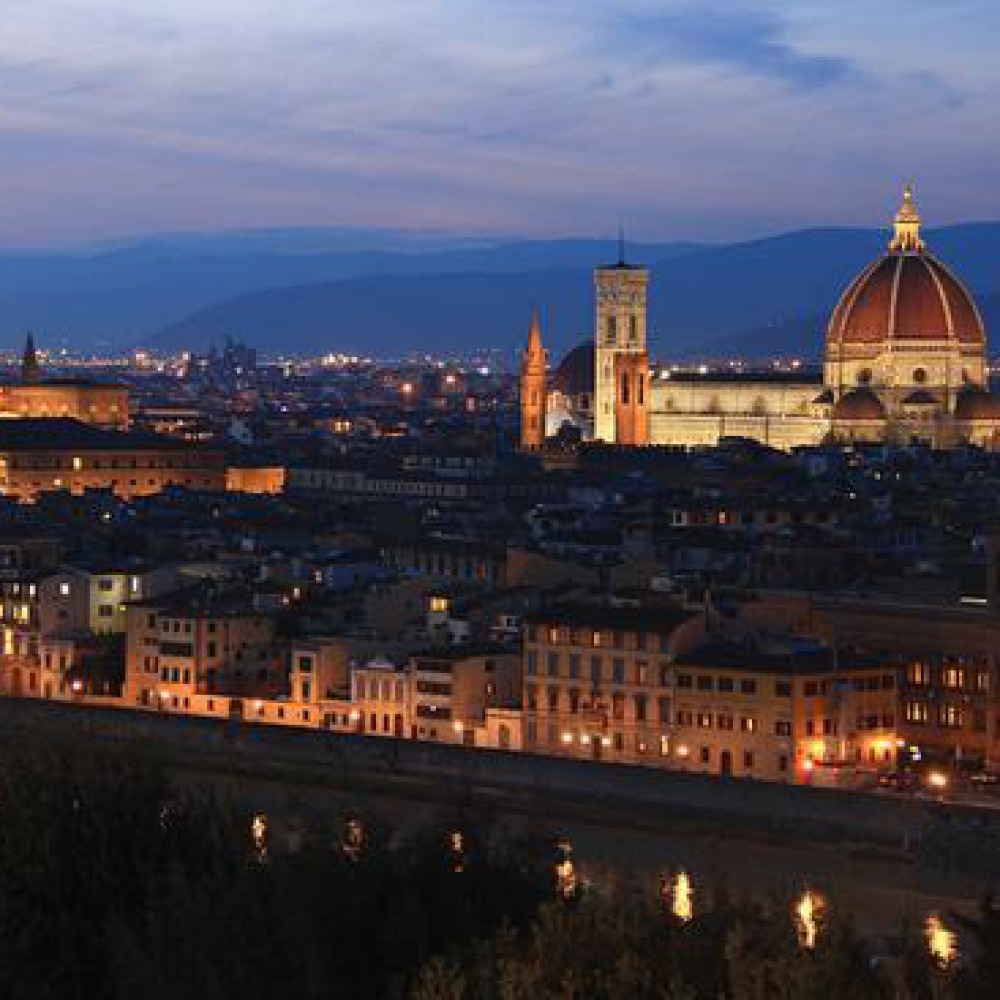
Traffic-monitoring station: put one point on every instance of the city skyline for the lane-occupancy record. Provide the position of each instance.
(523, 118)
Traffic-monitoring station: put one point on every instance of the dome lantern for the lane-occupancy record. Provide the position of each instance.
(906, 238)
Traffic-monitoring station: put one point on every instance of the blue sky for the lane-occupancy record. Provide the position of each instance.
(687, 120)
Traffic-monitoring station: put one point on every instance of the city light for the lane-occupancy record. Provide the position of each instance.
(808, 913)
(942, 943)
(937, 780)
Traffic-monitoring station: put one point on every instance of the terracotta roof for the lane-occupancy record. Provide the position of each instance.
(906, 296)
(575, 374)
(977, 404)
(859, 404)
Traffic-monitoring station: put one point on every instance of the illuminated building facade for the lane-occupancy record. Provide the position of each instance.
(95, 403)
(904, 361)
(43, 455)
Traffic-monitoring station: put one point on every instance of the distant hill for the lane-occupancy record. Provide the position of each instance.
(123, 292)
(765, 295)
(803, 337)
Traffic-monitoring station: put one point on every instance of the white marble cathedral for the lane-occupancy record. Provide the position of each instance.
(905, 360)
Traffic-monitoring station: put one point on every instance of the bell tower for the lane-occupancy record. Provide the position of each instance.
(533, 363)
(621, 369)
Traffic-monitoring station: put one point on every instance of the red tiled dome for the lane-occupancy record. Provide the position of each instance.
(906, 297)
(575, 374)
(859, 404)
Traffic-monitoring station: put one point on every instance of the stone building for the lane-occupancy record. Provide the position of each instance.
(905, 360)
(101, 404)
(46, 454)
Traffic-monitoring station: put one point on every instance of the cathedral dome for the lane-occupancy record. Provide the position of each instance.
(907, 296)
(860, 404)
(977, 404)
(575, 374)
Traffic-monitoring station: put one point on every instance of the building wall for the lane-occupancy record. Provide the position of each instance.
(600, 696)
(173, 655)
(689, 430)
(104, 405)
(265, 479)
(25, 474)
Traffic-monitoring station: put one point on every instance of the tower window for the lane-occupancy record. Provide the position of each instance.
(640, 390)
(919, 376)
(633, 328)
(612, 329)
(625, 389)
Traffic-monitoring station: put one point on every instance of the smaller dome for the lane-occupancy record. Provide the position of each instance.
(575, 374)
(920, 398)
(859, 404)
(977, 404)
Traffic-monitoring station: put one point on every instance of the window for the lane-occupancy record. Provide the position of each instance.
(782, 728)
(748, 724)
(724, 721)
(748, 686)
(706, 755)
(105, 584)
(618, 670)
(918, 674)
(574, 665)
(748, 759)
(532, 665)
(595, 669)
(704, 720)
(640, 708)
(705, 683)
(952, 716)
(552, 663)
(105, 610)
(953, 677)
(725, 684)
(663, 709)
(783, 689)
(684, 680)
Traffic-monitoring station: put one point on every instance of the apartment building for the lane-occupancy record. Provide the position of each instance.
(187, 646)
(657, 686)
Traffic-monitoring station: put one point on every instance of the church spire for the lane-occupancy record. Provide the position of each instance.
(30, 370)
(906, 238)
(533, 388)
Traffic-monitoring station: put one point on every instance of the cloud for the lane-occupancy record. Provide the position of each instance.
(746, 40)
(704, 120)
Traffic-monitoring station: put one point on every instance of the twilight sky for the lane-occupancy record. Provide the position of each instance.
(693, 119)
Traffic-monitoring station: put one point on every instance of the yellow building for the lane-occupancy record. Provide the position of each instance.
(654, 687)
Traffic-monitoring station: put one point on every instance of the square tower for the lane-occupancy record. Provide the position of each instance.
(620, 332)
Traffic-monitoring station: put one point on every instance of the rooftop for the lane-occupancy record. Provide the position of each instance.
(66, 434)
